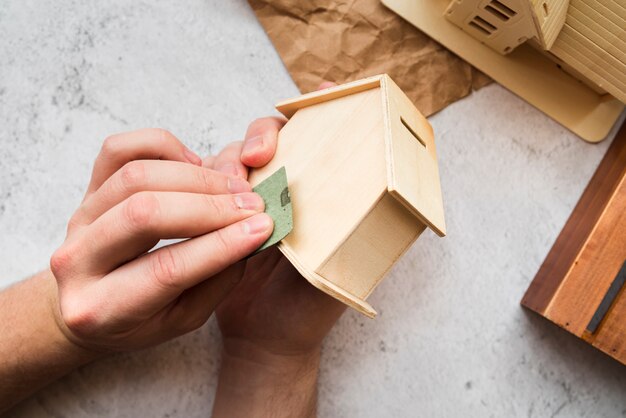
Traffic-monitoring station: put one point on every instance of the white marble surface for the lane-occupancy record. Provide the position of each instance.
(451, 338)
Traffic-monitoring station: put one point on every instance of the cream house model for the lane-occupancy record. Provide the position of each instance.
(586, 37)
(364, 184)
(565, 57)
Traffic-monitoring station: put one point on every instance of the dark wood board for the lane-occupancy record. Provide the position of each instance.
(579, 286)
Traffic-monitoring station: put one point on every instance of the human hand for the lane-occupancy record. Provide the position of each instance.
(274, 323)
(274, 308)
(113, 294)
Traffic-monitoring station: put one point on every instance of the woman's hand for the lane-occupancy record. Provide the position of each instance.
(113, 293)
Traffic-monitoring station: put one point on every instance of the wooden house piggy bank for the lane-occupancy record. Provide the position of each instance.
(364, 183)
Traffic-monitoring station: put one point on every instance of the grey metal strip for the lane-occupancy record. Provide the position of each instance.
(610, 295)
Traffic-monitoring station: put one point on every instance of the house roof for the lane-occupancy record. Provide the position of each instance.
(290, 106)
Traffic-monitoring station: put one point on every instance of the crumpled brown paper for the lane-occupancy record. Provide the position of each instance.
(343, 40)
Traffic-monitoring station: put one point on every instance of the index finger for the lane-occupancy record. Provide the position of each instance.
(144, 144)
(160, 276)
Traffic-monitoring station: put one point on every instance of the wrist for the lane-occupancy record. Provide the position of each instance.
(35, 351)
(257, 382)
(59, 334)
(279, 363)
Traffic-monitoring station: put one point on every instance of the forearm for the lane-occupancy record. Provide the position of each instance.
(255, 383)
(33, 349)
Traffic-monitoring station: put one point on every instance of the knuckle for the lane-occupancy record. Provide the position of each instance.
(218, 208)
(111, 145)
(141, 211)
(80, 318)
(206, 178)
(74, 222)
(164, 136)
(61, 261)
(222, 242)
(133, 175)
(167, 270)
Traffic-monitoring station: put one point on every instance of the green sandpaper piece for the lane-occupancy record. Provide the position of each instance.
(275, 194)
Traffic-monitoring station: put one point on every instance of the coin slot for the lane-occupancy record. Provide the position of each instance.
(408, 127)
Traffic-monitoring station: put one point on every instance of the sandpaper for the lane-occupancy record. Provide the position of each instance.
(275, 194)
(341, 41)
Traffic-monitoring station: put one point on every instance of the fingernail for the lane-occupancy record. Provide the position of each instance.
(228, 168)
(253, 145)
(238, 185)
(192, 157)
(249, 201)
(257, 224)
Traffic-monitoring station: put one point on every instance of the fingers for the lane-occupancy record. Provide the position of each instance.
(162, 275)
(195, 305)
(261, 139)
(137, 224)
(143, 144)
(229, 162)
(150, 175)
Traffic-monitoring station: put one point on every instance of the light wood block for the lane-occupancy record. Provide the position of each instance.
(364, 183)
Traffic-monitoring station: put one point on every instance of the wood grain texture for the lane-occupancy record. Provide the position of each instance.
(364, 183)
(290, 106)
(586, 257)
(590, 23)
(594, 269)
(334, 152)
(581, 222)
(370, 251)
(334, 156)
(326, 285)
(598, 58)
(412, 168)
(611, 338)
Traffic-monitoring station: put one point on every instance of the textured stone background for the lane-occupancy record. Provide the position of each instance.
(451, 338)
